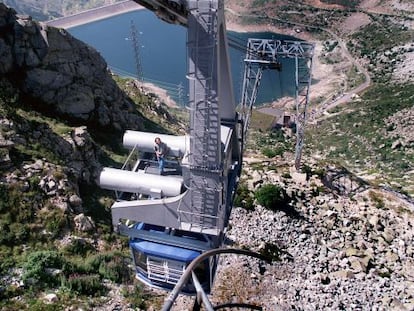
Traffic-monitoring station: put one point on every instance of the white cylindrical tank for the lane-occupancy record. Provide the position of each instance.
(138, 182)
(145, 142)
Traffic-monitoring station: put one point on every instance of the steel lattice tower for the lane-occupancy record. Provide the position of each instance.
(265, 54)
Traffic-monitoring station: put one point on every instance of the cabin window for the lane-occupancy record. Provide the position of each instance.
(140, 260)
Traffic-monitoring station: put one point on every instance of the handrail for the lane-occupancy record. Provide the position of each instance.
(186, 275)
(117, 196)
(129, 157)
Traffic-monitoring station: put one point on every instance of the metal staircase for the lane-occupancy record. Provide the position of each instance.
(205, 169)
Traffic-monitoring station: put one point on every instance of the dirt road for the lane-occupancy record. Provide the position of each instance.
(344, 98)
(95, 14)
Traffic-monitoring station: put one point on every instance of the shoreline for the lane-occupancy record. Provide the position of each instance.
(232, 24)
(94, 15)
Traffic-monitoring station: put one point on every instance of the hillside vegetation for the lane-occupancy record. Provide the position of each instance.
(371, 134)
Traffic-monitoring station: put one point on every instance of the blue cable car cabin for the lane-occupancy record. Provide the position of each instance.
(154, 211)
(161, 264)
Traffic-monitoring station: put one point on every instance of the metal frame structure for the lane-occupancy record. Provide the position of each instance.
(173, 220)
(265, 54)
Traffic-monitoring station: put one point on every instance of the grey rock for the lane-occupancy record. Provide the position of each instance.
(51, 185)
(6, 57)
(84, 223)
(75, 200)
(50, 298)
(396, 144)
(388, 235)
(62, 73)
(78, 101)
(342, 274)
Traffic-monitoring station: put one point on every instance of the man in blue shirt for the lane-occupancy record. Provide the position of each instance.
(160, 151)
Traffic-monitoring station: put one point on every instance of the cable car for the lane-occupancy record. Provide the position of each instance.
(157, 212)
(161, 263)
(173, 218)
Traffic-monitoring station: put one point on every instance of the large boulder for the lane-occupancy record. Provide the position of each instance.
(61, 74)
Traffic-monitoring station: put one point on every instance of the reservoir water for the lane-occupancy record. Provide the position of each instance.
(162, 50)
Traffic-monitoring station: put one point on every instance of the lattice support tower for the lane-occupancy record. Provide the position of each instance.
(265, 54)
(137, 54)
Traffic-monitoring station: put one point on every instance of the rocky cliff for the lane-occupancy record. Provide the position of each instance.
(57, 101)
(60, 75)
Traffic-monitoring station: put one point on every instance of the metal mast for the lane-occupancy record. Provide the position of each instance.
(137, 54)
(303, 64)
(264, 54)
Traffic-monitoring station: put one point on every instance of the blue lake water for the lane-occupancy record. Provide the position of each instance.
(163, 56)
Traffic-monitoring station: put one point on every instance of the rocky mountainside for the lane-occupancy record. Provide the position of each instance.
(60, 75)
(342, 245)
(62, 116)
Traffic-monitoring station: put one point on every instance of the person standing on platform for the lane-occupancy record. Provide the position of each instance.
(160, 149)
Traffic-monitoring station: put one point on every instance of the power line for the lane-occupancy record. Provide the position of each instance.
(137, 54)
(124, 73)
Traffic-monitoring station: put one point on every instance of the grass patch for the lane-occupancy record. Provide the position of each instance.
(353, 138)
(244, 197)
(261, 121)
(354, 78)
(157, 117)
(381, 34)
(56, 125)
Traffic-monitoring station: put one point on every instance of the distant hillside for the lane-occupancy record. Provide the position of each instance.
(44, 10)
(368, 133)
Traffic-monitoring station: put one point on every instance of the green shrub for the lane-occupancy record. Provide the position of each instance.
(271, 196)
(135, 297)
(78, 247)
(244, 197)
(84, 284)
(307, 170)
(111, 266)
(286, 175)
(377, 198)
(269, 152)
(35, 269)
(12, 233)
(115, 270)
(55, 221)
(6, 259)
(93, 262)
(40, 305)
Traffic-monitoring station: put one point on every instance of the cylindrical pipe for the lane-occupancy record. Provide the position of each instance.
(186, 274)
(136, 182)
(145, 142)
